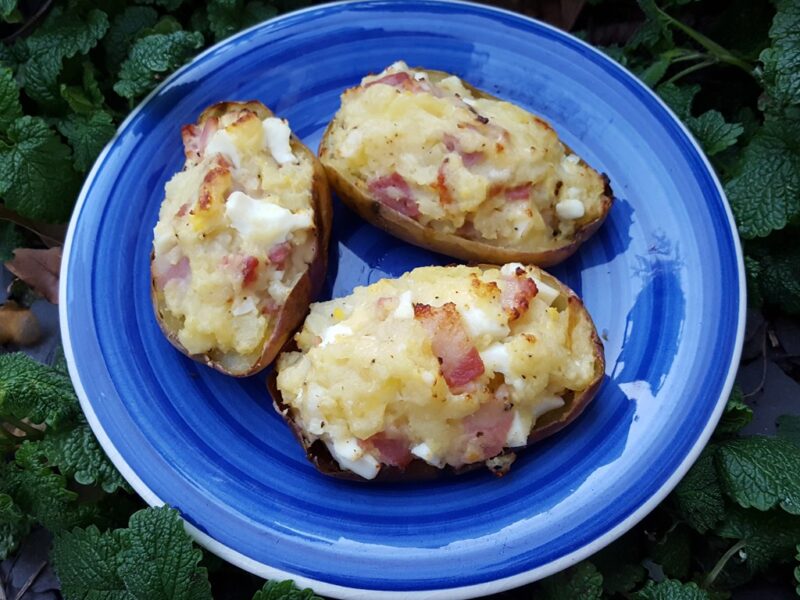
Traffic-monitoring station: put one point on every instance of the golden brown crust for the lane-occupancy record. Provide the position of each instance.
(417, 470)
(294, 310)
(355, 195)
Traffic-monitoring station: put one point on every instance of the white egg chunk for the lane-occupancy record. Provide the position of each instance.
(547, 404)
(519, 431)
(351, 457)
(496, 358)
(424, 452)
(404, 310)
(243, 307)
(221, 143)
(570, 209)
(545, 292)
(334, 331)
(479, 323)
(278, 135)
(262, 222)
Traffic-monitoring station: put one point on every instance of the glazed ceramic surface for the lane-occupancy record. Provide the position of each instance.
(662, 278)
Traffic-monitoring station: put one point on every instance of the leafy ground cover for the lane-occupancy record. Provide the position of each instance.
(729, 70)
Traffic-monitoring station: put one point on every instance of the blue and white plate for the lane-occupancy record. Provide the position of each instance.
(662, 278)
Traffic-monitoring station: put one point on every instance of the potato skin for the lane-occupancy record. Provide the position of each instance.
(294, 310)
(418, 470)
(357, 197)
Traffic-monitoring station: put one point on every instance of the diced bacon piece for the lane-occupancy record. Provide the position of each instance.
(486, 429)
(182, 210)
(249, 270)
(165, 272)
(390, 450)
(460, 361)
(279, 253)
(401, 79)
(518, 291)
(519, 192)
(469, 159)
(393, 191)
(195, 139)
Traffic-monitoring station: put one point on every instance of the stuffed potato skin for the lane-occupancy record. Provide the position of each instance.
(454, 232)
(495, 450)
(290, 313)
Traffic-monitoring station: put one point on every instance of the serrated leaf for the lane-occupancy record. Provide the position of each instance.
(29, 389)
(620, 564)
(76, 454)
(36, 175)
(284, 590)
(160, 562)
(789, 428)
(761, 472)
(63, 35)
(779, 278)
(153, 56)
(678, 98)
(653, 31)
(673, 553)
(86, 562)
(769, 536)
(781, 75)
(581, 581)
(86, 98)
(753, 271)
(713, 132)
(7, 9)
(765, 189)
(87, 134)
(670, 589)
(10, 107)
(125, 29)
(698, 497)
(11, 238)
(14, 525)
(736, 415)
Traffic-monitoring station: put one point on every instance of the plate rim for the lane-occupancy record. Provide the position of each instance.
(345, 592)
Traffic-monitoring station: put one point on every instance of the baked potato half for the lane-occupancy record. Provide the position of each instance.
(443, 165)
(240, 247)
(440, 370)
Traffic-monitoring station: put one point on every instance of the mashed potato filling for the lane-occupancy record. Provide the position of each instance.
(235, 234)
(446, 364)
(483, 169)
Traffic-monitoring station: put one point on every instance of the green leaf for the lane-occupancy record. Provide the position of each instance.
(765, 189)
(678, 98)
(781, 74)
(63, 35)
(76, 454)
(14, 525)
(284, 590)
(670, 589)
(169, 5)
(761, 472)
(223, 17)
(125, 29)
(36, 175)
(86, 562)
(581, 581)
(797, 571)
(673, 553)
(620, 564)
(44, 496)
(736, 415)
(10, 107)
(153, 56)
(653, 31)
(780, 278)
(11, 238)
(789, 428)
(713, 132)
(698, 497)
(160, 562)
(29, 389)
(87, 134)
(769, 536)
(753, 272)
(86, 98)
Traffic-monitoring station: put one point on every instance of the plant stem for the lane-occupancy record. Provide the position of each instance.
(691, 69)
(30, 432)
(719, 52)
(709, 580)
